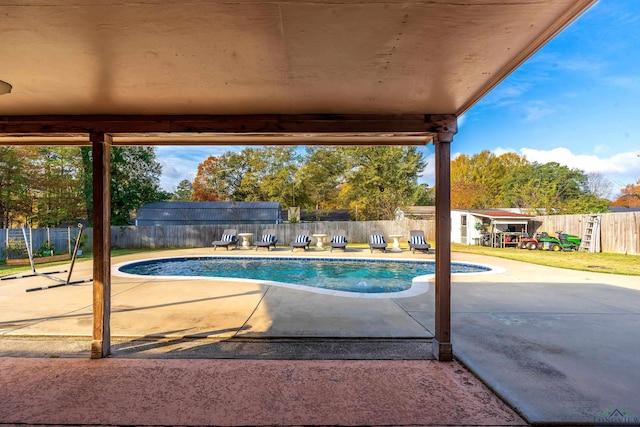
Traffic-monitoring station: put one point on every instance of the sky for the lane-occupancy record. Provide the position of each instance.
(575, 102)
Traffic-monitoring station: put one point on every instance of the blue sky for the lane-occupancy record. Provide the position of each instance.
(575, 102)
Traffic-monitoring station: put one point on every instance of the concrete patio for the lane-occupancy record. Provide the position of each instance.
(556, 346)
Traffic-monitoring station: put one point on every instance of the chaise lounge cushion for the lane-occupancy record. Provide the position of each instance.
(339, 240)
(267, 240)
(417, 240)
(228, 238)
(376, 241)
(302, 240)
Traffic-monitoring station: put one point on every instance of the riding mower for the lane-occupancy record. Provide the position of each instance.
(531, 243)
(564, 242)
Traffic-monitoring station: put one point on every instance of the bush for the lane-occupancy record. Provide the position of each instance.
(46, 249)
(83, 241)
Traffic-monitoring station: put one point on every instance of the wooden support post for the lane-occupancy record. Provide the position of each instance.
(101, 149)
(442, 348)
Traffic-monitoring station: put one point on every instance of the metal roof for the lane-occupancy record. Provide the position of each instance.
(174, 213)
(501, 215)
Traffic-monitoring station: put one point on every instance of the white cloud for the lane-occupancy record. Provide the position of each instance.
(621, 163)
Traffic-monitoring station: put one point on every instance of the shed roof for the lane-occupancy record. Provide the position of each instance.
(501, 215)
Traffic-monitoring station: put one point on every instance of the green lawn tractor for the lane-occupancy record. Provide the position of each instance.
(563, 242)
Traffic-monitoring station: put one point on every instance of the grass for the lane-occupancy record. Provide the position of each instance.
(6, 270)
(595, 262)
(584, 261)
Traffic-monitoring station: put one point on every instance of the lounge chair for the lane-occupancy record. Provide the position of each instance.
(229, 237)
(417, 242)
(376, 241)
(267, 239)
(338, 240)
(302, 240)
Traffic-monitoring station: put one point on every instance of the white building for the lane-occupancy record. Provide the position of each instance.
(493, 227)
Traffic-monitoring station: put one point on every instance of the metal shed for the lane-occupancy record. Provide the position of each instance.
(206, 213)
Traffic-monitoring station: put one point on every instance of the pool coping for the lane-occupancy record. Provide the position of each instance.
(419, 284)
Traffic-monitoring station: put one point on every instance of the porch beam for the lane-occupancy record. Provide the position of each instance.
(256, 123)
(101, 150)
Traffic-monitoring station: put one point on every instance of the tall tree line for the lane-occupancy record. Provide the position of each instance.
(371, 182)
(49, 186)
(486, 180)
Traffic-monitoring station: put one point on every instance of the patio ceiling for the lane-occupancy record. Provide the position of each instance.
(390, 60)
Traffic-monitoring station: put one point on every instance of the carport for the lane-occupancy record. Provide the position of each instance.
(168, 72)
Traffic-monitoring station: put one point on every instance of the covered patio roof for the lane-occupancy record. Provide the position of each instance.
(296, 68)
(259, 72)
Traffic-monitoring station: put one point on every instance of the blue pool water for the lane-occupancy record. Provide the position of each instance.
(363, 276)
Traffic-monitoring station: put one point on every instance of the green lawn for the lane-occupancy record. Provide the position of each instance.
(597, 262)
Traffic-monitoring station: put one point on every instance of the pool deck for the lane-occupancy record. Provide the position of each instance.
(557, 346)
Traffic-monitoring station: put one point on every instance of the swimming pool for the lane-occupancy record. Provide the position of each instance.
(369, 278)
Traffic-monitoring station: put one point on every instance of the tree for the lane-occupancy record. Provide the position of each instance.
(317, 182)
(480, 181)
(375, 180)
(470, 195)
(87, 182)
(135, 181)
(16, 185)
(381, 179)
(629, 196)
(254, 174)
(58, 196)
(183, 191)
(485, 180)
(598, 185)
(425, 195)
(208, 182)
(277, 174)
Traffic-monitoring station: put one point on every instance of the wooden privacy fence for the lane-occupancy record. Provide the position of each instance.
(191, 236)
(619, 231)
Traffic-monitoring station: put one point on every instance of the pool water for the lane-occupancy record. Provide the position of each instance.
(362, 276)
